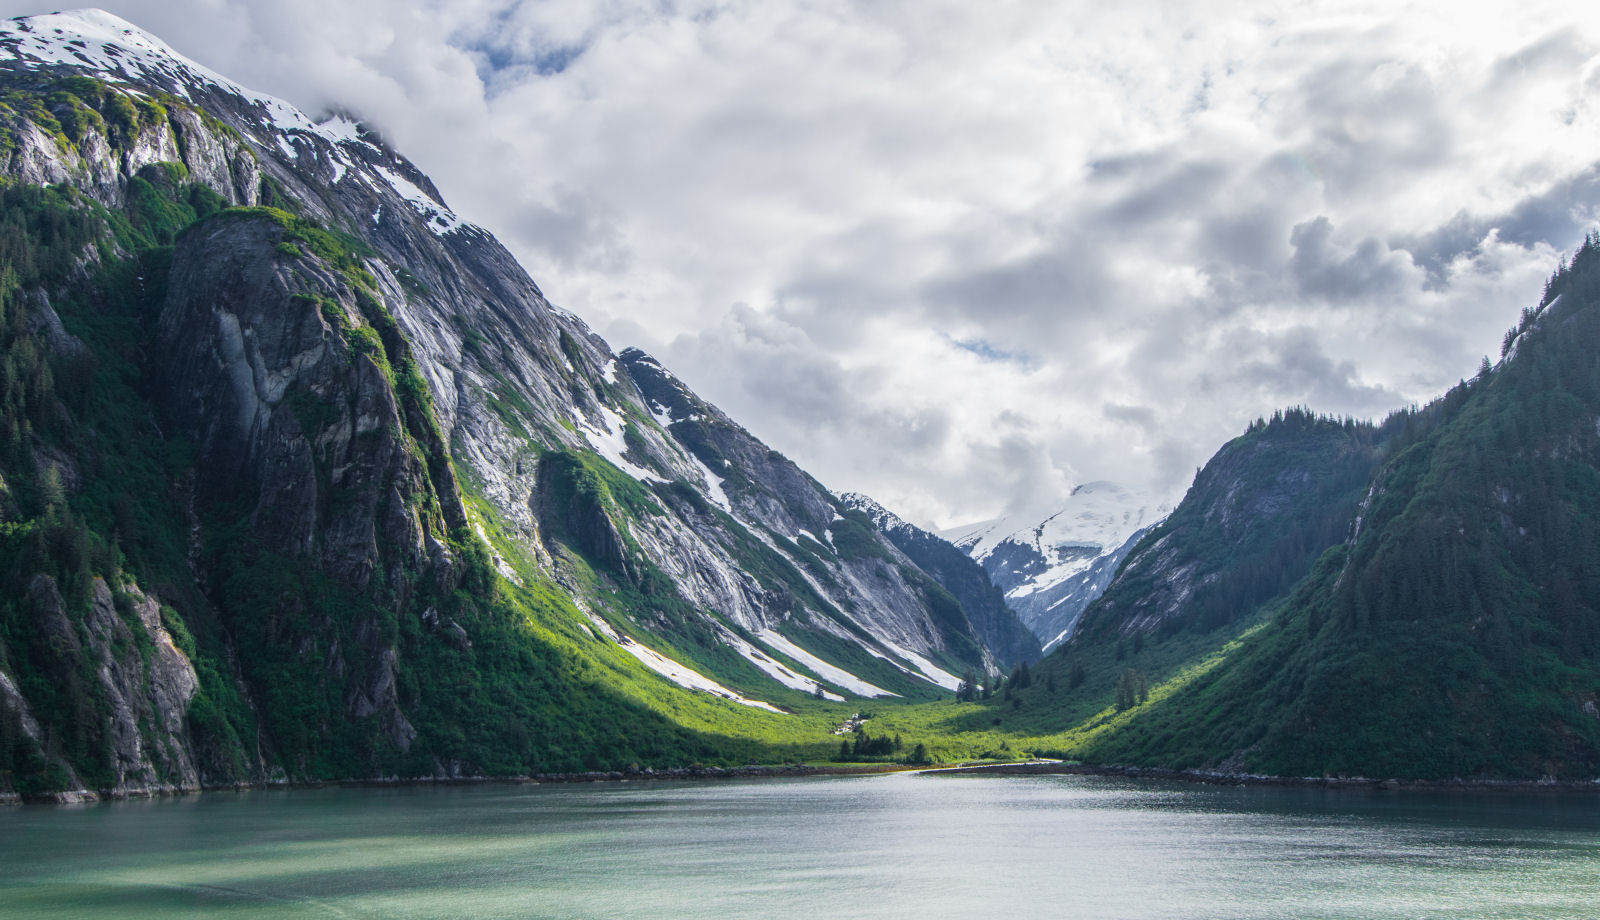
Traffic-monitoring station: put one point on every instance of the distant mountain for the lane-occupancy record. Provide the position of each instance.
(302, 477)
(1052, 566)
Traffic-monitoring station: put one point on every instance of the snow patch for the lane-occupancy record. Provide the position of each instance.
(776, 669)
(341, 130)
(565, 314)
(440, 219)
(1097, 519)
(714, 490)
(672, 670)
(608, 441)
(1101, 514)
(929, 671)
(835, 675)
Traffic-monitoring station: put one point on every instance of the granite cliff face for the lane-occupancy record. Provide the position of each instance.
(267, 380)
(142, 680)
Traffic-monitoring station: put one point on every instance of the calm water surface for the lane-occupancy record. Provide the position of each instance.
(899, 846)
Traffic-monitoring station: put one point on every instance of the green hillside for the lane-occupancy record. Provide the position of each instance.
(1458, 635)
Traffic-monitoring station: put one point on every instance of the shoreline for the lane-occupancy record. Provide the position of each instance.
(1219, 778)
(753, 771)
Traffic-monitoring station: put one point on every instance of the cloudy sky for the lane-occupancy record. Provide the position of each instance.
(963, 256)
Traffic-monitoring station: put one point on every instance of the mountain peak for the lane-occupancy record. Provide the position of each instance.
(90, 38)
(118, 52)
(882, 518)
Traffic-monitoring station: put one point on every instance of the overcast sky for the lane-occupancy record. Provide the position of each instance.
(963, 256)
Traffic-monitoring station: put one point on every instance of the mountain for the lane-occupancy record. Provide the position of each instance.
(1415, 599)
(1052, 567)
(969, 586)
(1254, 522)
(1259, 514)
(302, 477)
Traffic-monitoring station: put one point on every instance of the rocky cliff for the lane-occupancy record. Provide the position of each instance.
(969, 586)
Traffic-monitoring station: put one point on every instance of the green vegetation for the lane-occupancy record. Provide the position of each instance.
(525, 692)
(1253, 524)
(1457, 635)
(88, 490)
(70, 108)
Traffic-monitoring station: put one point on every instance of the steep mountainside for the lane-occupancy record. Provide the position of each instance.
(991, 618)
(302, 477)
(1457, 631)
(1052, 567)
(1255, 520)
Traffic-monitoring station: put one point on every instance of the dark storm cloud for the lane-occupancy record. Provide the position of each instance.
(1049, 292)
(1142, 417)
(1189, 187)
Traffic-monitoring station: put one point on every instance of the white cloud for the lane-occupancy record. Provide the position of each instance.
(961, 256)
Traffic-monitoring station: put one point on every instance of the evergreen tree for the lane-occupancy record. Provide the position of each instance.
(1131, 690)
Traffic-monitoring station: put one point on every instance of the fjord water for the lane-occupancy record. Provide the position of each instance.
(901, 846)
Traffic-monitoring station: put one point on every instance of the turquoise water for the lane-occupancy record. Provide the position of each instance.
(898, 846)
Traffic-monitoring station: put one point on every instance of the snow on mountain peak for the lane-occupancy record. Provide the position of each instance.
(1052, 563)
(1097, 513)
(121, 52)
(882, 518)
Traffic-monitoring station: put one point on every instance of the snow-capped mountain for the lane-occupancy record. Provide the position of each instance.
(1052, 565)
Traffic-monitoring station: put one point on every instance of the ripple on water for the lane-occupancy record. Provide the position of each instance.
(897, 846)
